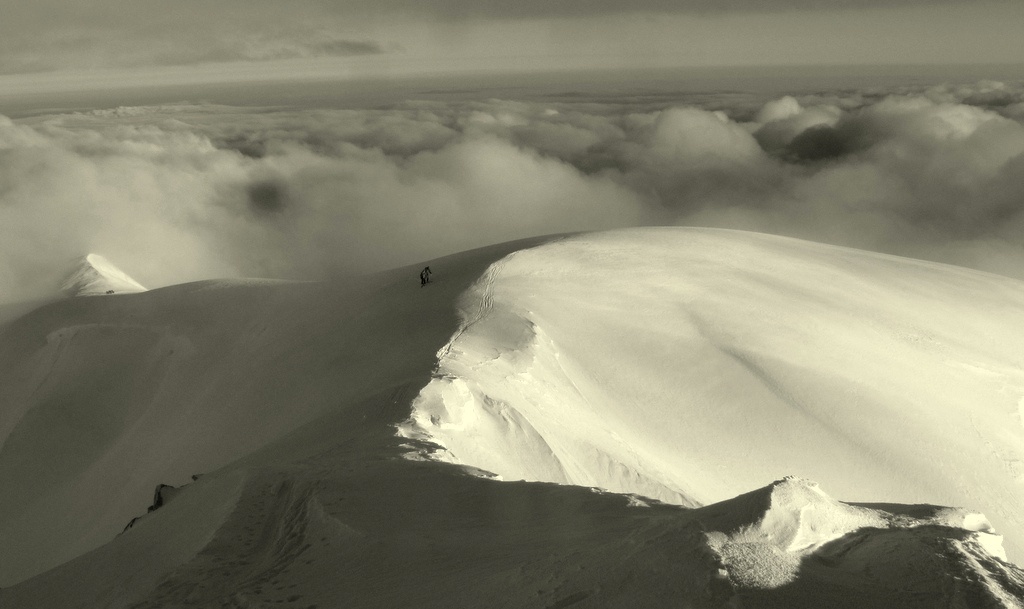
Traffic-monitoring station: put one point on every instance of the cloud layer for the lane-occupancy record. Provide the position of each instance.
(48, 35)
(184, 192)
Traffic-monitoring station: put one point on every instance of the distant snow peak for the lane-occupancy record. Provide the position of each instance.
(93, 274)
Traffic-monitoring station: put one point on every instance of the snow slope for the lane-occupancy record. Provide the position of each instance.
(93, 274)
(686, 365)
(101, 399)
(693, 365)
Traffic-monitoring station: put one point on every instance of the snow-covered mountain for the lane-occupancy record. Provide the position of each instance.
(93, 274)
(339, 444)
(633, 360)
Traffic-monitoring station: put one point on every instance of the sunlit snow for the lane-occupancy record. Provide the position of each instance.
(632, 418)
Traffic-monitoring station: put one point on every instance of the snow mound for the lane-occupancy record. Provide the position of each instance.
(503, 401)
(104, 398)
(691, 365)
(790, 544)
(794, 515)
(93, 274)
(762, 536)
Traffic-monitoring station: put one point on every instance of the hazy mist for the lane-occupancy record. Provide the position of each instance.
(189, 191)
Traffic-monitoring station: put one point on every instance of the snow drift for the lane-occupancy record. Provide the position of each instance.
(675, 367)
(693, 365)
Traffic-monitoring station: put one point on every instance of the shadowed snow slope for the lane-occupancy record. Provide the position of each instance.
(101, 399)
(93, 274)
(684, 365)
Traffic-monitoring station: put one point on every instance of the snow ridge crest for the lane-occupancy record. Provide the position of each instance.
(93, 274)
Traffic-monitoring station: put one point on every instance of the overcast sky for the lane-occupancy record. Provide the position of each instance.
(393, 37)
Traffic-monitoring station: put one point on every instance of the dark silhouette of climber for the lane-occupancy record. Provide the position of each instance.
(425, 276)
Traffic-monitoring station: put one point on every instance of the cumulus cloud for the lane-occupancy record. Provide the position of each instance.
(171, 200)
(786, 126)
(911, 176)
(184, 192)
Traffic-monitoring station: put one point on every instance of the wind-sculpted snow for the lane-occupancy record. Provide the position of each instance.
(636, 361)
(103, 398)
(791, 545)
(502, 401)
(94, 274)
(692, 365)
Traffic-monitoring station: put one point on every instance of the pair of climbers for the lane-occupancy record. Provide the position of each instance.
(425, 276)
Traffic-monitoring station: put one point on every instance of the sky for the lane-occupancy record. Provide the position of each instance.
(97, 42)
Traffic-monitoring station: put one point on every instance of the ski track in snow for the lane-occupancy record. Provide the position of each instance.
(482, 306)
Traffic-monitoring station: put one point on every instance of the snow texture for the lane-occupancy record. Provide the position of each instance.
(628, 389)
(93, 274)
(693, 365)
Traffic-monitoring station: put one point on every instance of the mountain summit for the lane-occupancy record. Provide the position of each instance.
(93, 274)
(571, 422)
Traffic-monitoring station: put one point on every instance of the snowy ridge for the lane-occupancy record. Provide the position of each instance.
(783, 543)
(109, 397)
(692, 365)
(93, 274)
(795, 515)
(487, 407)
(680, 367)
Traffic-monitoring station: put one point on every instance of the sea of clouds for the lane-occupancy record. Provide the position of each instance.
(190, 191)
